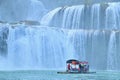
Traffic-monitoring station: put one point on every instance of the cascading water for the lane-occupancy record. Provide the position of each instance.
(100, 16)
(95, 16)
(78, 39)
(68, 18)
(36, 48)
(112, 62)
(113, 16)
(83, 32)
(47, 18)
(3, 40)
(95, 41)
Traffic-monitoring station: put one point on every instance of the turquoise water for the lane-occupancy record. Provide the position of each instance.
(52, 75)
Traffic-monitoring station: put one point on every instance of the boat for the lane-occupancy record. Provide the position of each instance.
(76, 67)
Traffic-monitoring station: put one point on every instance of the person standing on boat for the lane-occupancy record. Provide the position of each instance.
(68, 67)
(81, 67)
(86, 67)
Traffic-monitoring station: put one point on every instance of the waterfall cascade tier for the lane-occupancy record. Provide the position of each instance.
(36, 47)
(32, 47)
(97, 16)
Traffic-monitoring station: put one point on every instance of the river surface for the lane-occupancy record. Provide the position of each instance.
(52, 75)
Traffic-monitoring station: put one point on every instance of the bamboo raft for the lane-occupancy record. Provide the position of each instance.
(76, 72)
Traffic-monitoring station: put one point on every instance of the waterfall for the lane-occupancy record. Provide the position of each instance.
(48, 17)
(95, 16)
(84, 32)
(112, 53)
(3, 39)
(70, 20)
(113, 16)
(71, 17)
(90, 31)
(78, 40)
(37, 48)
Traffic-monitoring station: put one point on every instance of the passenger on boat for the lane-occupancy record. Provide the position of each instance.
(81, 67)
(86, 66)
(77, 66)
(68, 66)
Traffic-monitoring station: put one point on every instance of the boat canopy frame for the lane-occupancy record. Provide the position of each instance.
(71, 60)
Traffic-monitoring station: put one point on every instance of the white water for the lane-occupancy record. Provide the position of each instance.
(113, 16)
(48, 17)
(78, 40)
(96, 36)
(37, 48)
(97, 16)
(80, 32)
(112, 53)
